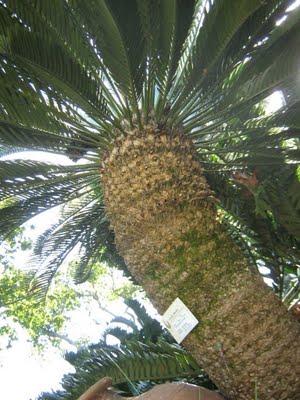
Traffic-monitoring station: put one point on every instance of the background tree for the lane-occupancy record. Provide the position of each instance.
(17, 241)
(42, 320)
(47, 322)
(155, 96)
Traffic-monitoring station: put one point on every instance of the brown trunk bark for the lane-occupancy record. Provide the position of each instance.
(167, 229)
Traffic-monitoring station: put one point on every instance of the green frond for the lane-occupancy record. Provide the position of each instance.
(283, 68)
(65, 141)
(209, 47)
(125, 321)
(259, 219)
(55, 67)
(79, 223)
(132, 362)
(29, 188)
(56, 19)
(117, 332)
(112, 25)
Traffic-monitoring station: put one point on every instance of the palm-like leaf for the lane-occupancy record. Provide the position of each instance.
(73, 74)
(132, 362)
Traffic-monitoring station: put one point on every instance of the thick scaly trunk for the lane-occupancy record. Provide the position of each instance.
(167, 229)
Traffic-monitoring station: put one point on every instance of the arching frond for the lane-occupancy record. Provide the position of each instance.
(132, 362)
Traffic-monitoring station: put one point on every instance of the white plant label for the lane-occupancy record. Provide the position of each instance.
(179, 320)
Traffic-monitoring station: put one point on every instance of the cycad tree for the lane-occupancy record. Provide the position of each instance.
(149, 97)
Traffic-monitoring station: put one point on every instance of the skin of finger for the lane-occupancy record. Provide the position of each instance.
(167, 391)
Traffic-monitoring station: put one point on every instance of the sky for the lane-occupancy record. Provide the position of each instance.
(24, 374)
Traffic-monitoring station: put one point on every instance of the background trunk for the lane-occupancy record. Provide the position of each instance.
(167, 229)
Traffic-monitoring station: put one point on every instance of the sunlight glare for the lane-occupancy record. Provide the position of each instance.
(293, 6)
(274, 102)
(40, 156)
(281, 20)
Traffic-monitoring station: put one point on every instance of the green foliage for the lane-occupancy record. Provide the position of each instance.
(76, 74)
(126, 291)
(46, 321)
(39, 319)
(264, 219)
(16, 241)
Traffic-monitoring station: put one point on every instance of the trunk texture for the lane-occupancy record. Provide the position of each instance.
(168, 231)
